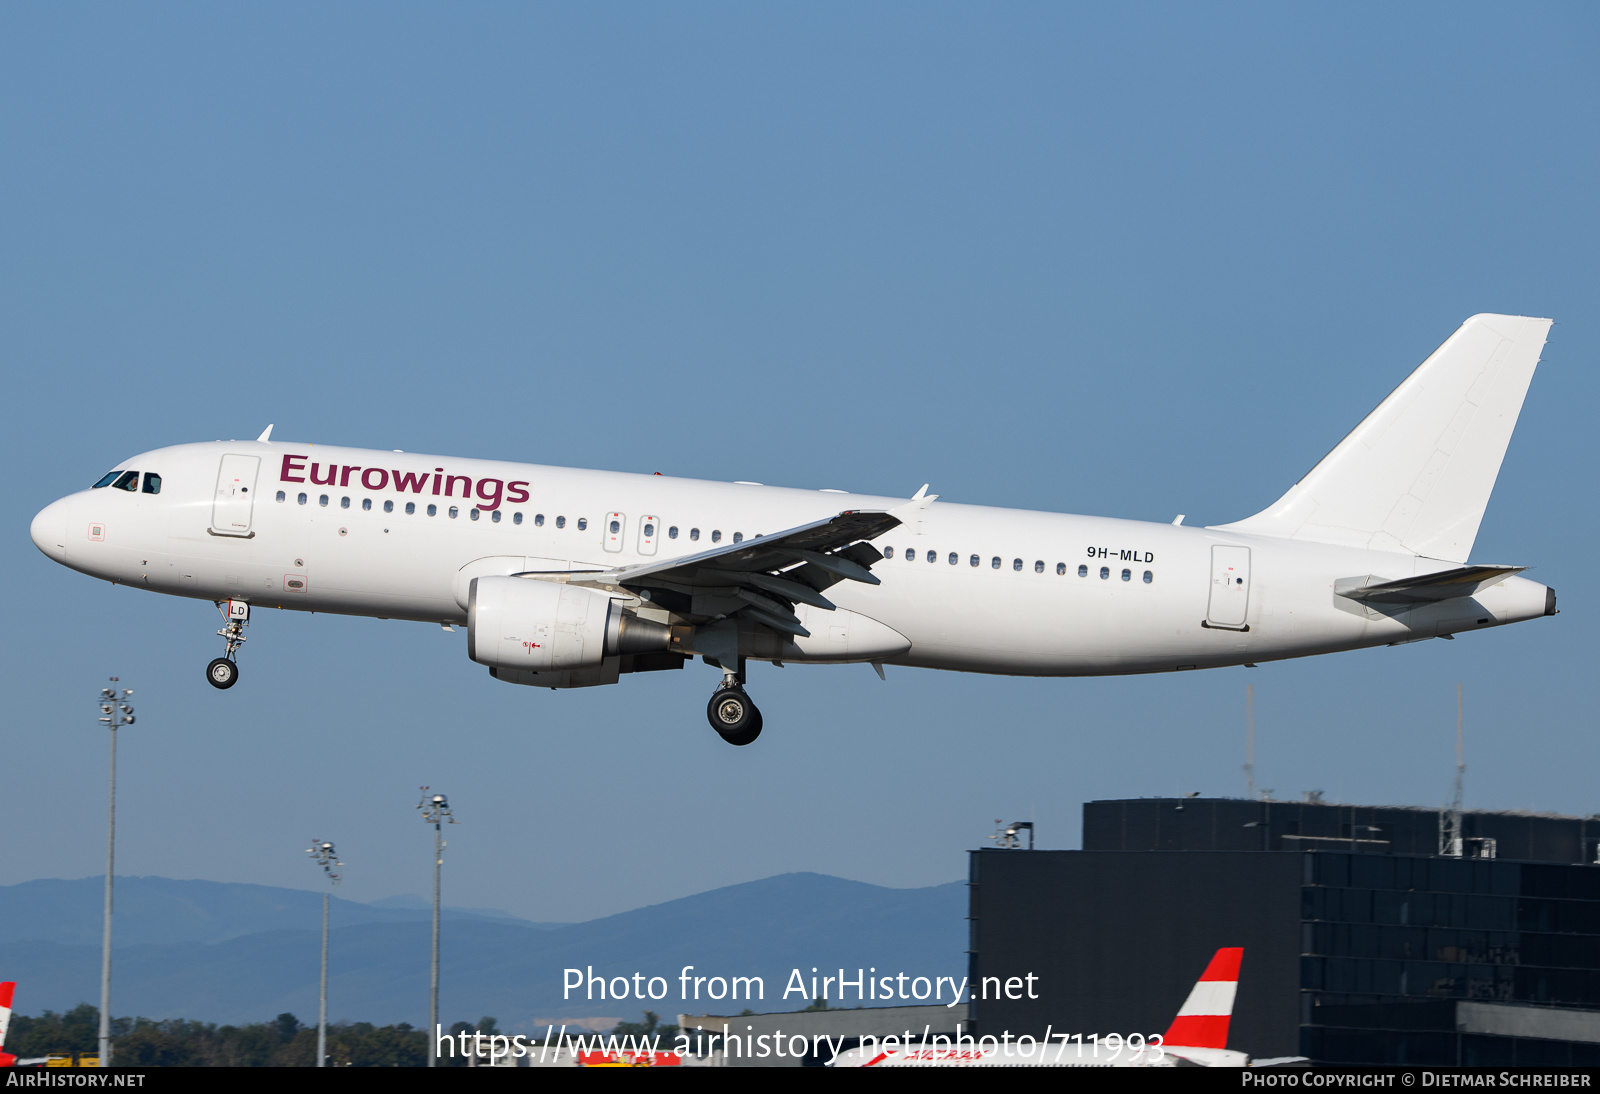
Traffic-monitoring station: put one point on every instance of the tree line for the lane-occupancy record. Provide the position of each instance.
(179, 1042)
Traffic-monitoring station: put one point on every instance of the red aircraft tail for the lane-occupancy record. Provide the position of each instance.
(1202, 1022)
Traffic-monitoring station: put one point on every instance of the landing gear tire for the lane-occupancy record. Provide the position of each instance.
(734, 716)
(222, 673)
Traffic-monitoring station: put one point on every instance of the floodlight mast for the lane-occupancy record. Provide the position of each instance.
(115, 712)
(435, 811)
(322, 852)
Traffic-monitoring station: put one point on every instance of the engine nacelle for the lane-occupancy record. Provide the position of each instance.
(544, 626)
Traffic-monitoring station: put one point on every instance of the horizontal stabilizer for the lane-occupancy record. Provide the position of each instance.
(1425, 588)
(1415, 476)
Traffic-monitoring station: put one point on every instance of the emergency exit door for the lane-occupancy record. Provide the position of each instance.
(1230, 587)
(236, 488)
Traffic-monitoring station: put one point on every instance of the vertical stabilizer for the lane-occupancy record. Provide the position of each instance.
(1416, 474)
(6, 991)
(1202, 1022)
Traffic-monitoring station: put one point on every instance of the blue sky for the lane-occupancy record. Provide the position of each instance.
(1133, 260)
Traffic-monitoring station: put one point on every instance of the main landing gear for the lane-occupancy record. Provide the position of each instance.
(731, 713)
(223, 672)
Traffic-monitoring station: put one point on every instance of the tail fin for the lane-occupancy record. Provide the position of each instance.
(1202, 1021)
(1416, 474)
(6, 991)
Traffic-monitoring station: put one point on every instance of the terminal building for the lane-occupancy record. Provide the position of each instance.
(1371, 935)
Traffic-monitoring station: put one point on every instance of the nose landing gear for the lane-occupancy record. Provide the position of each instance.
(223, 672)
(731, 713)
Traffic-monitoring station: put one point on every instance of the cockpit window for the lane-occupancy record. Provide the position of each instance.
(152, 483)
(110, 477)
(128, 480)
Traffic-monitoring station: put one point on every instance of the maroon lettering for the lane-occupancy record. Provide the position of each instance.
(366, 478)
(516, 494)
(436, 479)
(450, 485)
(290, 464)
(344, 475)
(333, 473)
(491, 500)
(406, 480)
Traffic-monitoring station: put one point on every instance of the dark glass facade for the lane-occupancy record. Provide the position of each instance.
(1351, 955)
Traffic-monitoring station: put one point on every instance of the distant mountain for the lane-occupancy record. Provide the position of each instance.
(161, 910)
(509, 969)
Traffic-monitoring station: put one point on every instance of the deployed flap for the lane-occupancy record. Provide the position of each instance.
(1416, 474)
(762, 578)
(1425, 588)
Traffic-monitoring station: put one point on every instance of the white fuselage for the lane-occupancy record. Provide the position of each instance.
(1150, 598)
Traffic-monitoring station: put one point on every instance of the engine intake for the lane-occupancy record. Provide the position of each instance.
(544, 626)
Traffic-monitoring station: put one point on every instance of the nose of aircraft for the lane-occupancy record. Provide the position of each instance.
(49, 530)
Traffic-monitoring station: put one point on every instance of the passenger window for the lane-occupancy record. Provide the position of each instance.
(323, 501)
(344, 503)
(1038, 566)
(954, 558)
(694, 534)
(388, 507)
(411, 508)
(649, 530)
(454, 512)
(366, 505)
(1105, 572)
(1148, 577)
(911, 556)
(516, 518)
(672, 533)
(1061, 569)
(583, 524)
(1016, 564)
(282, 496)
(716, 535)
(616, 526)
(152, 483)
(888, 552)
(473, 514)
(1127, 574)
(561, 522)
(495, 516)
(1083, 571)
(738, 537)
(302, 499)
(538, 520)
(994, 563)
(973, 561)
(433, 510)
(933, 556)
(109, 478)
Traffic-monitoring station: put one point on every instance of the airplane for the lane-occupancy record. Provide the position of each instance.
(1197, 1037)
(571, 578)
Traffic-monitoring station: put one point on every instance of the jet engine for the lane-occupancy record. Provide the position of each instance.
(543, 626)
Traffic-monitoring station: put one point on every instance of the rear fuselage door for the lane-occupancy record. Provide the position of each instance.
(1230, 587)
(236, 489)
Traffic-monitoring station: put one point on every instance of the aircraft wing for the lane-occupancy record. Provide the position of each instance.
(1424, 588)
(764, 577)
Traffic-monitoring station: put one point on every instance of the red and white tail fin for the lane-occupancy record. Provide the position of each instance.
(6, 990)
(1202, 1022)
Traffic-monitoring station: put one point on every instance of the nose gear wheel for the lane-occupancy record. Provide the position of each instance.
(734, 716)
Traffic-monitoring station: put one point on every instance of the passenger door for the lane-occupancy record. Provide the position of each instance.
(236, 484)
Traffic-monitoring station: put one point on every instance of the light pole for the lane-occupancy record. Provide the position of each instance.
(435, 811)
(114, 714)
(322, 852)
